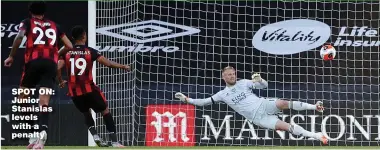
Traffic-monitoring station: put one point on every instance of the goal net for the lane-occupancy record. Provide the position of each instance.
(181, 46)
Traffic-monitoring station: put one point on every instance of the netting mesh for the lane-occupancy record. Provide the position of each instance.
(118, 85)
(348, 85)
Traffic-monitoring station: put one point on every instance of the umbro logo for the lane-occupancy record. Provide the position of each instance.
(147, 31)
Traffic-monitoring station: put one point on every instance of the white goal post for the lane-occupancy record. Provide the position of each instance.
(181, 46)
(91, 34)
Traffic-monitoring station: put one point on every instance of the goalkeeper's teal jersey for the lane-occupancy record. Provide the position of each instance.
(240, 97)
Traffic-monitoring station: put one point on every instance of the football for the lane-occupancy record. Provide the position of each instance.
(327, 52)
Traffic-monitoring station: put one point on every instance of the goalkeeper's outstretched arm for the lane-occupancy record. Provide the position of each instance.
(197, 102)
(258, 82)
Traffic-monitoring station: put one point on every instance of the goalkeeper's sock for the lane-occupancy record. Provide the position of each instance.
(90, 123)
(110, 125)
(296, 105)
(44, 119)
(298, 130)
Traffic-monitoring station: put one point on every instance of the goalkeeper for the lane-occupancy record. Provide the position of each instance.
(260, 111)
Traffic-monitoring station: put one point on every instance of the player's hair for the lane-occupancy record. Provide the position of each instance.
(226, 68)
(77, 32)
(37, 8)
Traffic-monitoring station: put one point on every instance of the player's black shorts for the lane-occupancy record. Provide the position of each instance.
(94, 100)
(40, 72)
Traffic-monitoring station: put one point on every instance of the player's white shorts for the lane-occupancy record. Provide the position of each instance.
(266, 115)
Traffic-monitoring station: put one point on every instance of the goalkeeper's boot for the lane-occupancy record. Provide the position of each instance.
(99, 141)
(41, 140)
(319, 106)
(32, 142)
(322, 138)
(117, 144)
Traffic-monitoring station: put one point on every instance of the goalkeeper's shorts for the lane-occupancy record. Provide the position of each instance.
(94, 100)
(266, 115)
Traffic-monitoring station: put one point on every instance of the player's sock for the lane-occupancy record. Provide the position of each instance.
(92, 130)
(31, 123)
(110, 125)
(32, 139)
(296, 105)
(298, 130)
(90, 123)
(44, 120)
(32, 130)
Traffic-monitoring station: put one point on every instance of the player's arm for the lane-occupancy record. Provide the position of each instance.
(104, 61)
(23, 29)
(61, 64)
(257, 82)
(67, 45)
(66, 42)
(199, 102)
(63, 50)
(24, 26)
(17, 42)
(95, 55)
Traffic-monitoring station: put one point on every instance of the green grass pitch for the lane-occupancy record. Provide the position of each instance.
(207, 147)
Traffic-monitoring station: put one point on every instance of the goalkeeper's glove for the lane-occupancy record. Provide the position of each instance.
(181, 96)
(256, 77)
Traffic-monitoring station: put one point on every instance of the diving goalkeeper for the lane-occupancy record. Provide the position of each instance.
(260, 111)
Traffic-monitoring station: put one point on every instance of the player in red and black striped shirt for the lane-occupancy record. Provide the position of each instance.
(83, 91)
(41, 57)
